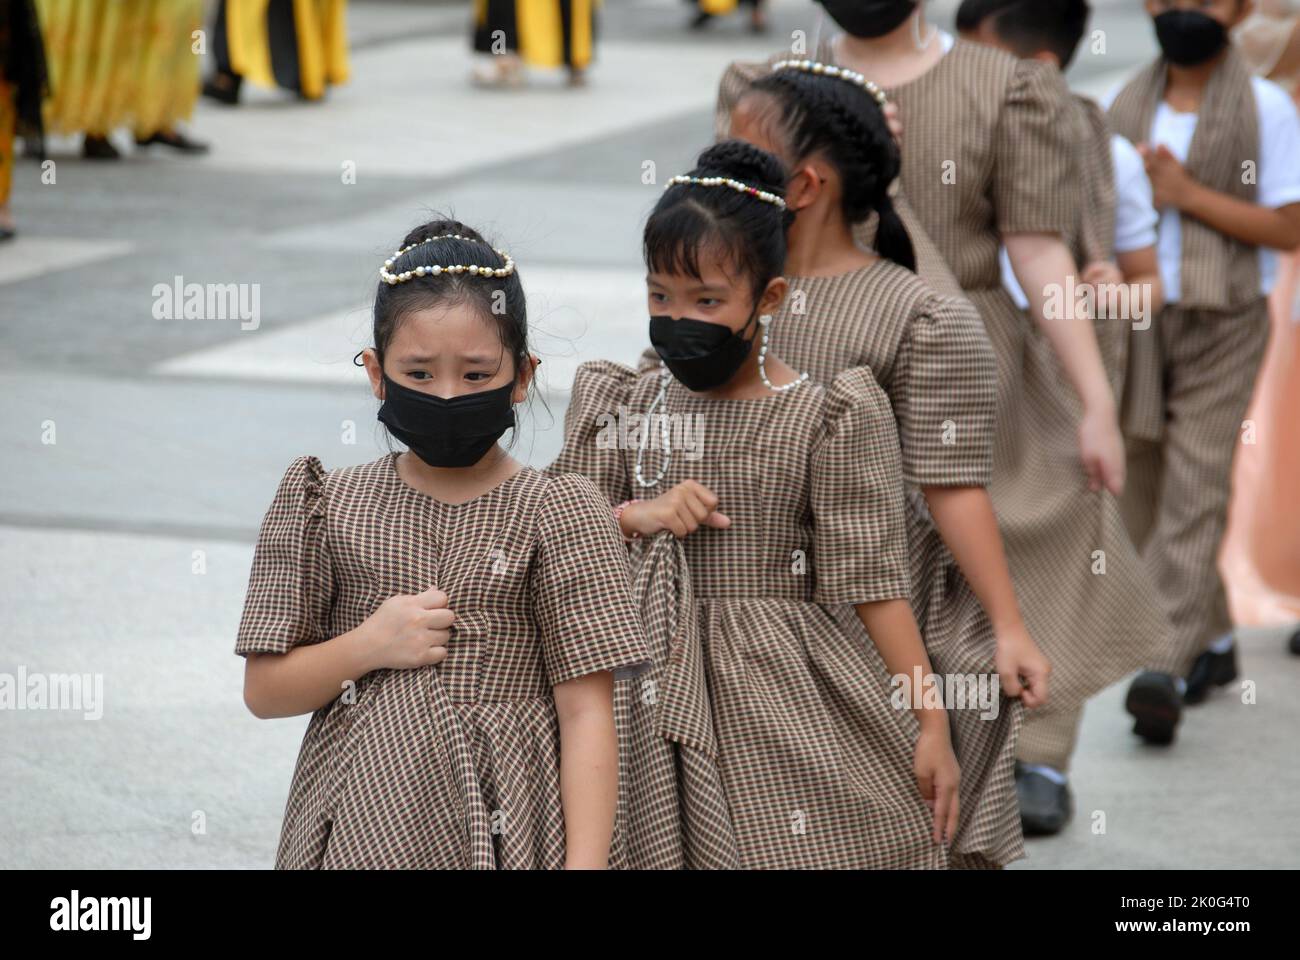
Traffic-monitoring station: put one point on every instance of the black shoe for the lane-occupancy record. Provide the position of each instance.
(1293, 644)
(223, 88)
(1045, 805)
(173, 139)
(99, 148)
(701, 20)
(1210, 670)
(7, 233)
(1155, 705)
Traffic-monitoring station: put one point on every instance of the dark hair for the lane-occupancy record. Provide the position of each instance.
(1030, 26)
(749, 232)
(843, 122)
(498, 299)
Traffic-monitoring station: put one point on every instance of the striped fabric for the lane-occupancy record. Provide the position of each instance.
(815, 764)
(934, 361)
(1177, 499)
(456, 765)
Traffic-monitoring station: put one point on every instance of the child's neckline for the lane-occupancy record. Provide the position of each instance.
(397, 477)
(865, 268)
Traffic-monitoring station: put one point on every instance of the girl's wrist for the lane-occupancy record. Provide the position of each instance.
(618, 519)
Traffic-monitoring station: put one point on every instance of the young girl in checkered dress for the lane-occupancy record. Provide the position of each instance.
(450, 618)
(849, 307)
(765, 735)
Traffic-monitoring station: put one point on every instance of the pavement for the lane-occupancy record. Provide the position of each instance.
(140, 451)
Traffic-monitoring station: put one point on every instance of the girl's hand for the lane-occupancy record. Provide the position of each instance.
(1101, 447)
(937, 776)
(682, 510)
(410, 631)
(1021, 666)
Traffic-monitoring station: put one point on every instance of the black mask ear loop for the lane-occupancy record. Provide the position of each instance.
(356, 361)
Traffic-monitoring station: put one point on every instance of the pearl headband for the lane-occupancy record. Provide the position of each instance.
(736, 185)
(436, 269)
(840, 73)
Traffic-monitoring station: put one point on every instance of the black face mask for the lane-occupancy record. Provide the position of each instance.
(699, 354)
(447, 433)
(1189, 37)
(869, 18)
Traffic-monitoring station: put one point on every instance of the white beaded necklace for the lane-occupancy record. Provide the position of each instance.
(661, 401)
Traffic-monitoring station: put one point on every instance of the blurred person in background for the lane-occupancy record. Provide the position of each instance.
(536, 33)
(1261, 554)
(114, 64)
(22, 87)
(712, 9)
(298, 45)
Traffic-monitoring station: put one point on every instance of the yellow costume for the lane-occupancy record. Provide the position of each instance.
(113, 63)
(320, 34)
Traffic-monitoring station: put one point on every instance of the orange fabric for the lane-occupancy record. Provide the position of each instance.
(1261, 552)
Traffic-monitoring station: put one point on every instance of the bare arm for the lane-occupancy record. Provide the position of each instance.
(1242, 220)
(306, 678)
(1141, 270)
(1043, 264)
(406, 631)
(893, 630)
(964, 518)
(588, 768)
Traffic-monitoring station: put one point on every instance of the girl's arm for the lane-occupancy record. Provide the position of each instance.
(1042, 264)
(894, 631)
(588, 768)
(964, 518)
(405, 632)
(1240, 219)
(1141, 271)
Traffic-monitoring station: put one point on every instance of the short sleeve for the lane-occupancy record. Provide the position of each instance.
(948, 397)
(1135, 212)
(857, 496)
(1279, 143)
(581, 585)
(592, 422)
(1034, 181)
(291, 585)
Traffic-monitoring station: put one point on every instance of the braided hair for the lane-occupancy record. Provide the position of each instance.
(844, 123)
(747, 232)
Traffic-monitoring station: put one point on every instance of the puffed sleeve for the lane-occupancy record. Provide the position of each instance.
(1034, 180)
(291, 586)
(945, 395)
(593, 428)
(857, 496)
(581, 585)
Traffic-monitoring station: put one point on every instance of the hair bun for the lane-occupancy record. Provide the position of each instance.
(744, 162)
(441, 228)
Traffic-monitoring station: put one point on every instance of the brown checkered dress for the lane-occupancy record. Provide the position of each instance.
(988, 150)
(457, 765)
(932, 357)
(777, 710)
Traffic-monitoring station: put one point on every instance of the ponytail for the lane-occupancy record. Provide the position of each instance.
(892, 240)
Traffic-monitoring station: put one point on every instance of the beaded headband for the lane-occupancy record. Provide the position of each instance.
(830, 70)
(436, 269)
(736, 185)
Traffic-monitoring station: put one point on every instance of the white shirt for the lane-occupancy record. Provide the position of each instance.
(1277, 175)
(1135, 216)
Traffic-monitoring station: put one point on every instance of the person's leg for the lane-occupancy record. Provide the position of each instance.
(223, 86)
(1211, 368)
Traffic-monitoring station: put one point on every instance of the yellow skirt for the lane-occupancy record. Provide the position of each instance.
(114, 63)
(540, 31)
(321, 27)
